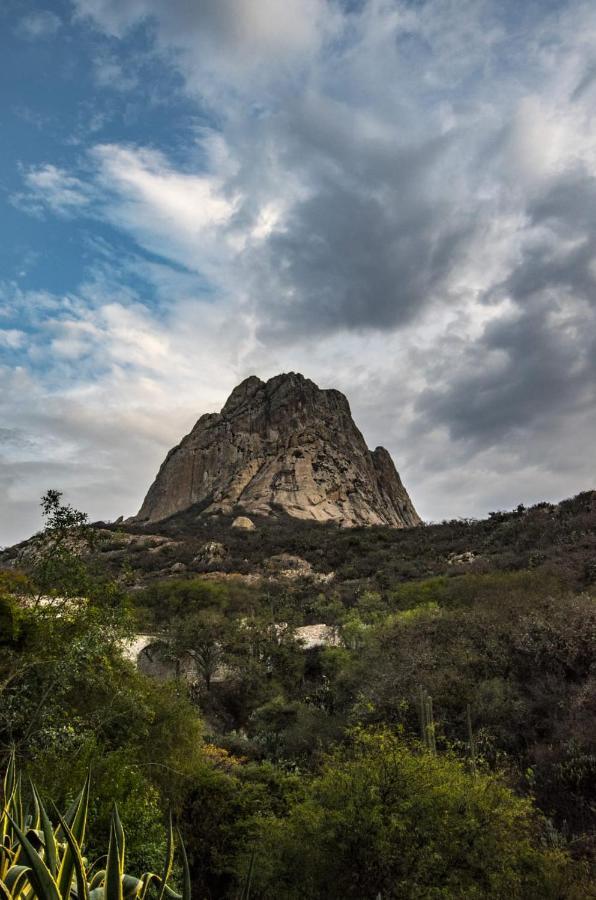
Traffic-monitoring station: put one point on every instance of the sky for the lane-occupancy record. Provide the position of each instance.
(396, 198)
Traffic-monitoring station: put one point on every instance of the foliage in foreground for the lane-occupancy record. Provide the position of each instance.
(41, 861)
(384, 819)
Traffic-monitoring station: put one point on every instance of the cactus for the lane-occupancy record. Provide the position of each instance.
(42, 860)
(471, 738)
(427, 723)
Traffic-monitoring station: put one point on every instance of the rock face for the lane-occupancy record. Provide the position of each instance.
(281, 444)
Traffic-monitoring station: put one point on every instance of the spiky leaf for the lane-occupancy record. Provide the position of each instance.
(41, 877)
(114, 867)
(79, 865)
(186, 885)
(169, 860)
(49, 840)
(15, 878)
(78, 827)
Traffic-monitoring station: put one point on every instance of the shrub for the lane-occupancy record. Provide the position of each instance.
(383, 819)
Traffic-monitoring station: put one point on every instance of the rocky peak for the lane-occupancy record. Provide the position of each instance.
(241, 394)
(283, 444)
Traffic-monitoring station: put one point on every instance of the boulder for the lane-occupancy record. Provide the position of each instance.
(243, 522)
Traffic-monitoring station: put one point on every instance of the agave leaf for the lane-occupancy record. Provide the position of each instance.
(5, 831)
(113, 880)
(15, 877)
(8, 791)
(148, 878)
(119, 831)
(131, 886)
(36, 838)
(35, 823)
(97, 879)
(10, 776)
(70, 813)
(5, 851)
(4, 892)
(14, 814)
(18, 803)
(51, 848)
(79, 865)
(186, 885)
(78, 826)
(10, 804)
(169, 860)
(96, 894)
(41, 877)
(6, 857)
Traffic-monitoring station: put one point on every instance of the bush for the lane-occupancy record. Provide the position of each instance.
(383, 819)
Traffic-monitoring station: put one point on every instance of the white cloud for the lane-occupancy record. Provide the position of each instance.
(101, 398)
(236, 36)
(12, 338)
(50, 188)
(109, 73)
(169, 212)
(40, 24)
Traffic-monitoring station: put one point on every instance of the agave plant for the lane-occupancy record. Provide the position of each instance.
(42, 860)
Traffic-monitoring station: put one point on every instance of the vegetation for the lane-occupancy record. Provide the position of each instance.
(381, 819)
(45, 861)
(442, 745)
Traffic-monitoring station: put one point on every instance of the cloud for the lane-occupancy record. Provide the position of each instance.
(11, 338)
(525, 369)
(170, 212)
(49, 188)
(397, 199)
(109, 73)
(105, 387)
(373, 242)
(229, 33)
(38, 25)
(537, 362)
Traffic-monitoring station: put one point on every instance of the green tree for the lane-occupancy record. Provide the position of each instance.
(383, 819)
(69, 699)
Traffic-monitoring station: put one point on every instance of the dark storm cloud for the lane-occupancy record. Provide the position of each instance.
(537, 362)
(373, 243)
(522, 370)
(568, 206)
(347, 260)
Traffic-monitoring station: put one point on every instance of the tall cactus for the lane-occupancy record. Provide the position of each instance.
(427, 722)
(471, 738)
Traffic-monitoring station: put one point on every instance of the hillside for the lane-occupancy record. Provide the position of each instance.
(557, 538)
(463, 644)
